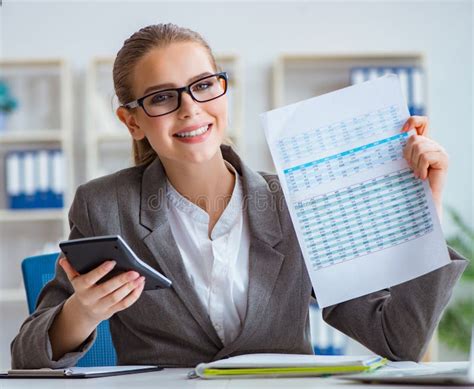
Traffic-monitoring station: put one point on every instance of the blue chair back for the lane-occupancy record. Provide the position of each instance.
(37, 271)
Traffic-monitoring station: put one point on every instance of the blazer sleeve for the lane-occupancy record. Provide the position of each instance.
(398, 322)
(31, 348)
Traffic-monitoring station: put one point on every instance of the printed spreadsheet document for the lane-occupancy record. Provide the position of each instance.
(364, 222)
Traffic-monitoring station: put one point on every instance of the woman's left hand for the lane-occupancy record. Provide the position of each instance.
(427, 158)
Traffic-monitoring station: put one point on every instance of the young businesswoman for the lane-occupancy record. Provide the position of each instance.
(219, 230)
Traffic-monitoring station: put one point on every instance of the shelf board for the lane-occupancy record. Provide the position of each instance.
(350, 56)
(227, 58)
(31, 136)
(21, 215)
(12, 294)
(106, 137)
(26, 62)
(103, 60)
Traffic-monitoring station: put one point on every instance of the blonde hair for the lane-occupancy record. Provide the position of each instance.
(133, 49)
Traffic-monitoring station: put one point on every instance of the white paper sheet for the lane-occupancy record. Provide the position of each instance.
(363, 220)
(291, 360)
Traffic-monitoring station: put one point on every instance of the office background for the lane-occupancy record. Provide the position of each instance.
(257, 34)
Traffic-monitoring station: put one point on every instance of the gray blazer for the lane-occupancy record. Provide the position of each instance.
(171, 327)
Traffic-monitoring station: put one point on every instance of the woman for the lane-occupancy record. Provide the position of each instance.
(220, 231)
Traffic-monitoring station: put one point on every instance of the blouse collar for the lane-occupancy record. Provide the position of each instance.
(227, 219)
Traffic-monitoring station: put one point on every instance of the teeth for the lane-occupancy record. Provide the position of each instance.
(196, 132)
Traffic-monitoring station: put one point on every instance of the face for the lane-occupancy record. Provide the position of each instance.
(176, 66)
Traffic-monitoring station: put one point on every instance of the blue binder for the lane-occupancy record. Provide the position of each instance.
(325, 339)
(35, 179)
(411, 78)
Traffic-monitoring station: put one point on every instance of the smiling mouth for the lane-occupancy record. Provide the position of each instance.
(191, 134)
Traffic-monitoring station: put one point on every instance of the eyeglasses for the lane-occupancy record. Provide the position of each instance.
(166, 101)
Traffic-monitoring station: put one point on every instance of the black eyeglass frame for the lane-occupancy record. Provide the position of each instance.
(139, 102)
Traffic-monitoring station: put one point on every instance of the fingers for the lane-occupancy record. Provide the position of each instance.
(71, 273)
(101, 301)
(431, 159)
(113, 284)
(419, 123)
(422, 153)
(89, 279)
(124, 296)
(130, 298)
(417, 145)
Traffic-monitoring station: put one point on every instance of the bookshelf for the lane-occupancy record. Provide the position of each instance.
(232, 65)
(301, 76)
(108, 143)
(42, 120)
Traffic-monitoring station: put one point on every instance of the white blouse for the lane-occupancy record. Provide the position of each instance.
(218, 267)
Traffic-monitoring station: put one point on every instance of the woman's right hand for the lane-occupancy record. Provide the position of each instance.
(98, 302)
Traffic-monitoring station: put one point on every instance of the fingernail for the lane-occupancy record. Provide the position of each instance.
(110, 264)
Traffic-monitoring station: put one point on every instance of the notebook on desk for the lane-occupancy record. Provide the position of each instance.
(461, 374)
(285, 365)
(79, 372)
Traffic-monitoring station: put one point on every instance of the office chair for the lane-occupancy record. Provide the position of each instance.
(40, 269)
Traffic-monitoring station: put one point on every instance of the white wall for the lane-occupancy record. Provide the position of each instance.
(259, 32)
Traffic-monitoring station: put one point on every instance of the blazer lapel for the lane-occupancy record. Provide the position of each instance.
(264, 260)
(162, 245)
(265, 233)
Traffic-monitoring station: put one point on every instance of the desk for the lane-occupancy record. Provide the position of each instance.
(176, 379)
